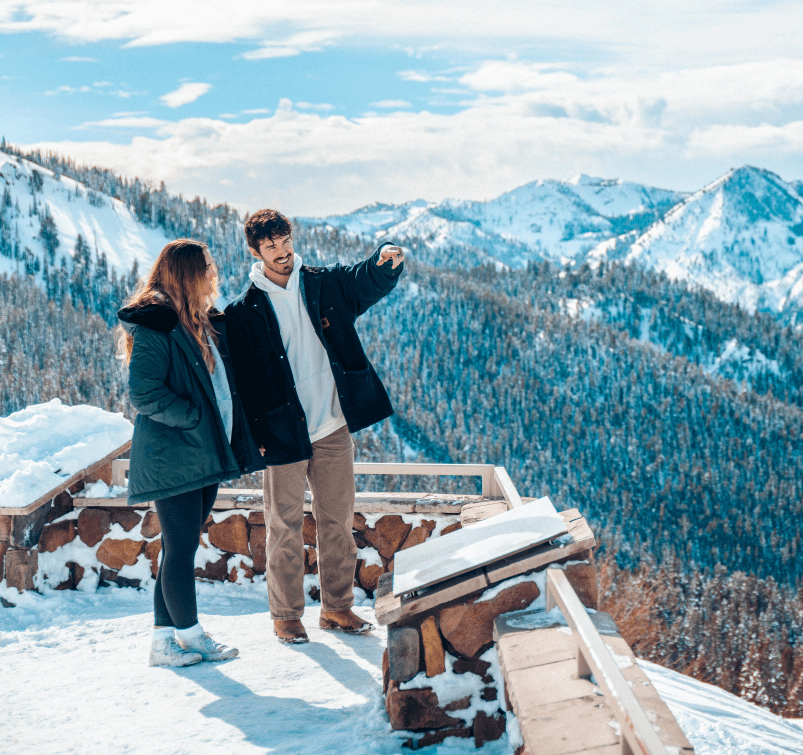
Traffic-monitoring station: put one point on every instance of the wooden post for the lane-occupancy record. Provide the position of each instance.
(507, 488)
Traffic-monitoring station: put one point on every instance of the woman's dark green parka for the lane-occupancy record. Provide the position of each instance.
(179, 441)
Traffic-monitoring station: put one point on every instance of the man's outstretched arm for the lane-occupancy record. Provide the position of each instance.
(365, 283)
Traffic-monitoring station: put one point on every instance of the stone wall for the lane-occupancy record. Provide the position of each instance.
(62, 547)
(441, 676)
(19, 538)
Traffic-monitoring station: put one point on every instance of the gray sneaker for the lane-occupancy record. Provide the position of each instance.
(166, 652)
(209, 649)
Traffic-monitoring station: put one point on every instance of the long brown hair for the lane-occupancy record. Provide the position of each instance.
(178, 279)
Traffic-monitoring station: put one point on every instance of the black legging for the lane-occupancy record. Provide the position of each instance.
(181, 517)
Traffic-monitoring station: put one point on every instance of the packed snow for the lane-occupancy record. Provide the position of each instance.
(44, 444)
(76, 680)
(79, 662)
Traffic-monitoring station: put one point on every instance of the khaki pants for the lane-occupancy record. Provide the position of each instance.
(330, 472)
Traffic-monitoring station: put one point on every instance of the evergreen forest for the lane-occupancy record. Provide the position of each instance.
(604, 388)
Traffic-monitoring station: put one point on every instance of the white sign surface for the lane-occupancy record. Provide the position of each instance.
(482, 543)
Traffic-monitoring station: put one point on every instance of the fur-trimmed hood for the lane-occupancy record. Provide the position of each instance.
(158, 317)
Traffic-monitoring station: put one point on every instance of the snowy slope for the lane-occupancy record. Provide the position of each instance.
(78, 662)
(106, 224)
(561, 220)
(740, 237)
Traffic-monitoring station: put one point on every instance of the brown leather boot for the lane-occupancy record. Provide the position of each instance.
(344, 621)
(290, 631)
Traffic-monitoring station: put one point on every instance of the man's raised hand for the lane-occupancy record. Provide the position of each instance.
(394, 253)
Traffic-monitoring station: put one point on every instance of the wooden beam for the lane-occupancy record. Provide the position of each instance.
(636, 728)
(485, 471)
(507, 488)
(392, 609)
(365, 503)
(50, 495)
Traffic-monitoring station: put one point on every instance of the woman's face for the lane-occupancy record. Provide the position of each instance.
(211, 272)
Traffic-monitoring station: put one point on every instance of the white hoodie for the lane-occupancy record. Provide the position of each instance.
(309, 361)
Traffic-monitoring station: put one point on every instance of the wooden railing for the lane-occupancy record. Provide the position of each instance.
(594, 657)
(496, 482)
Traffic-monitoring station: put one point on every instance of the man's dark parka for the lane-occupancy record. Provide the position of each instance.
(179, 442)
(334, 297)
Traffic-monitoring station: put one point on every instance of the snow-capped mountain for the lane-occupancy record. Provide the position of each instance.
(741, 237)
(558, 220)
(30, 193)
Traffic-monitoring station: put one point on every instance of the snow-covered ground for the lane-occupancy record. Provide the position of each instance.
(44, 444)
(75, 679)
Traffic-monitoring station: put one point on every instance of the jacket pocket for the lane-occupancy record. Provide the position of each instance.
(281, 427)
(359, 384)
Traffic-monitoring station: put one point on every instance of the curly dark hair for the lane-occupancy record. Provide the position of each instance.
(266, 224)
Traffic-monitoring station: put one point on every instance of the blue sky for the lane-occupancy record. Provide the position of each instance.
(321, 107)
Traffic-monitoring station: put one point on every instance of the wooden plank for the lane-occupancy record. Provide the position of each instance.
(635, 725)
(442, 558)
(569, 726)
(554, 682)
(604, 750)
(365, 503)
(108, 503)
(391, 609)
(658, 712)
(521, 647)
(50, 495)
(484, 471)
(477, 512)
(543, 555)
(529, 649)
(119, 469)
(571, 515)
(505, 485)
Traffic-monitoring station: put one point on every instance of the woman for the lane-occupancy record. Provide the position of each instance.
(190, 433)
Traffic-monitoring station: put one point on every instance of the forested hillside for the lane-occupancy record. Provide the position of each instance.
(671, 419)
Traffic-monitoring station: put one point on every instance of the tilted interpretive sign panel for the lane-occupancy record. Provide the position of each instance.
(482, 543)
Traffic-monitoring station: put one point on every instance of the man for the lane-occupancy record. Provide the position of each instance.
(306, 385)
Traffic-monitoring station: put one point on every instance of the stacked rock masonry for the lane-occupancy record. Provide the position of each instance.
(66, 546)
(457, 638)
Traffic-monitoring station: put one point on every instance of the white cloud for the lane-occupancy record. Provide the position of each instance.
(77, 59)
(421, 76)
(323, 107)
(126, 121)
(760, 141)
(308, 41)
(314, 164)
(185, 94)
(256, 111)
(679, 99)
(391, 104)
(695, 31)
(516, 122)
(99, 87)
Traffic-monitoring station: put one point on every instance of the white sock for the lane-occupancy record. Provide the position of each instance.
(163, 633)
(190, 633)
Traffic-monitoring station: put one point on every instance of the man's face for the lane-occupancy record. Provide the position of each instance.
(277, 256)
